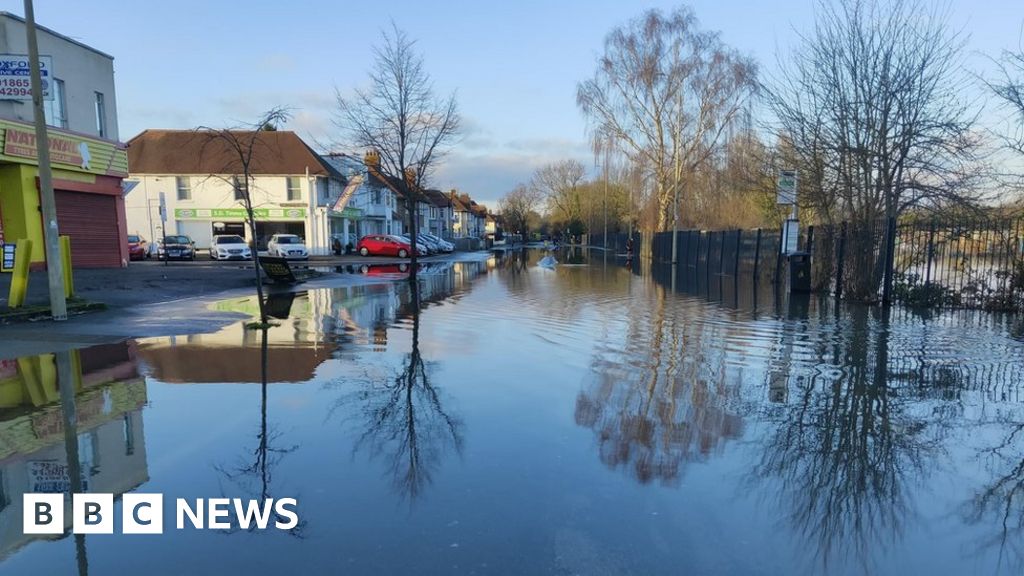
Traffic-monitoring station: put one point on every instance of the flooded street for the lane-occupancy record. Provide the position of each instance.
(580, 419)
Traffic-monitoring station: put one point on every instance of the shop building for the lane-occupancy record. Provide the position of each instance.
(198, 178)
(88, 162)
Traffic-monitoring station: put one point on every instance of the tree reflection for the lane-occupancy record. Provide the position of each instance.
(652, 421)
(254, 474)
(1002, 499)
(404, 420)
(847, 447)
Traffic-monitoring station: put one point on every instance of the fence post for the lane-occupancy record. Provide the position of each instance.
(757, 257)
(840, 261)
(736, 267)
(778, 257)
(931, 254)
(890, 259)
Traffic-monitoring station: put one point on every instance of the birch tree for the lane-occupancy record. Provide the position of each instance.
(665, 91)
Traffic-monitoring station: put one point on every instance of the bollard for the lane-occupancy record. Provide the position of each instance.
(19, 278)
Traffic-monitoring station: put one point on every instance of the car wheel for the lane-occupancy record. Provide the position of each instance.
(364, 252)
(402, 253)
(403, 267)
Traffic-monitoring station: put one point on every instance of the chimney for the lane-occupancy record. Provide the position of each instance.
(372, 160)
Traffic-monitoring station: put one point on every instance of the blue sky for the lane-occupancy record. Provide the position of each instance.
(514, 65)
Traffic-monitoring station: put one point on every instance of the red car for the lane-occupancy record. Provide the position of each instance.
(138, 248)
(383, 245)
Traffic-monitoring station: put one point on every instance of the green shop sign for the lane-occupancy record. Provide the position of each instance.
(350, 213)
(239, 213)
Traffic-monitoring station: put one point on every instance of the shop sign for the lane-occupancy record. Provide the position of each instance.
(8, 257)
(350, 213)
(238, 213)
(68, 150)
(51, 477)
(16, 79)
(62, 150)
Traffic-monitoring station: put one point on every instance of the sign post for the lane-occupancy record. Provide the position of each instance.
(785, 190)
(163, 227)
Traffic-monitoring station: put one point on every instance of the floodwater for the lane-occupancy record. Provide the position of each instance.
(585, 419)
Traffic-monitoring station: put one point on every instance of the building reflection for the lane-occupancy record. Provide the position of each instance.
(109, 395)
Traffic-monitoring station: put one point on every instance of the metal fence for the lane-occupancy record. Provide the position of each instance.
(966, 263)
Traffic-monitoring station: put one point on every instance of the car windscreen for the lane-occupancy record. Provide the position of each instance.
(133, 239)
(288, 240)
(177, 240)
(230, 240)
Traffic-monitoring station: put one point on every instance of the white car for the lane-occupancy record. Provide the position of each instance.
(229, 247)
(287, 246)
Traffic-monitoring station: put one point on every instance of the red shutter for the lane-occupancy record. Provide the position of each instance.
(91, 222)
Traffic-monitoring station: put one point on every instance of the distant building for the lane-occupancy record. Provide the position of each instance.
(88, 163)
(293, 188)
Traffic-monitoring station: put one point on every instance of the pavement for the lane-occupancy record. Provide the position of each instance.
(150, 298)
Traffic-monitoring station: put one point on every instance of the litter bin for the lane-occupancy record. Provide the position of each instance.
(799, 272)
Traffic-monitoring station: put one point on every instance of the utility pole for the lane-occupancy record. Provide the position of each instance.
(51, 236)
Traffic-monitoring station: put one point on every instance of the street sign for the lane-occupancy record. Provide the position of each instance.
(15, 83)
(786, 187)
(790, 236)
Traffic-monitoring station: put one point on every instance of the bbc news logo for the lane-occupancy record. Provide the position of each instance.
(144, 513)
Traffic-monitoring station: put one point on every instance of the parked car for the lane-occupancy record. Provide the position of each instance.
(444, 245)
(421, 248)
(229, 247)
(383, 245)
(180, 247)
(138, 248)
(287, 246)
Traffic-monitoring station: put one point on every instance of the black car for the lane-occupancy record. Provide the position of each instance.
(176, 248)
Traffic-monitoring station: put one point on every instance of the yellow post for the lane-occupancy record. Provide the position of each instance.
(19, 278)
(65, 262)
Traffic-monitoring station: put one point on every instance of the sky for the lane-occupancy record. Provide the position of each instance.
(513, 65)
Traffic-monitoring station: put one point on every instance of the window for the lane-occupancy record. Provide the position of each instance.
(184, 187)
(237, 185)
(376, 196)
(101, 116)
(56, 110)
(294, 189)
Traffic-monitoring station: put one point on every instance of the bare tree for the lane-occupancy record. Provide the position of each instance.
(238, 149)
(872, 104)
(558, 183)
(1010, 89)
(401, 118)
(517, 206)
(665, 91)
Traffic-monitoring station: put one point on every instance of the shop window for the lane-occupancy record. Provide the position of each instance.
(56, 110)
(184, 187)
(294, 189)
(101, 116)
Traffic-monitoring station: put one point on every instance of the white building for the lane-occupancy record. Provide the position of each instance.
(367, 205)
(293, 189)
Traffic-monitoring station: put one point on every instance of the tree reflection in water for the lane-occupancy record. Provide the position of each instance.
(849, 446)
(1000, 502)
(652, 420)
(403, 418)
(254, 474)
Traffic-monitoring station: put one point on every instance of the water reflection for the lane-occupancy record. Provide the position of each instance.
(69, 422)
(847, 448)
(252, 477)
(401, 412)
(652, 411)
